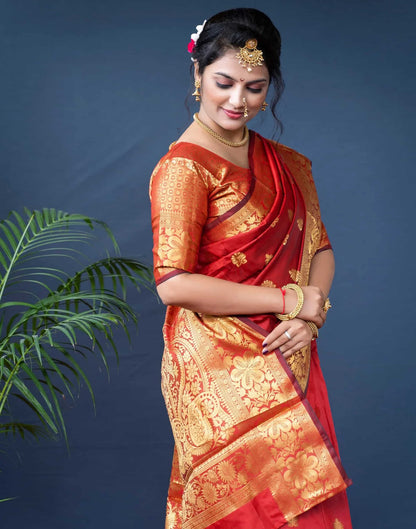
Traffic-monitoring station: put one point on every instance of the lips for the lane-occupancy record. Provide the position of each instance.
(233, 115)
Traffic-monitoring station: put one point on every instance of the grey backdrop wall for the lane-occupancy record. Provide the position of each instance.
(91, 96)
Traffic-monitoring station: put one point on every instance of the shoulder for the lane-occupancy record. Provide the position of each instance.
(179, 167)
(288, 154)
(189, 153)
(291, 155)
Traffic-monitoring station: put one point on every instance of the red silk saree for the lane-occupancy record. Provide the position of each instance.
(254, 441)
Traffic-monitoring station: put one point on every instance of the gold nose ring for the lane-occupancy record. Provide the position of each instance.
(245, 107)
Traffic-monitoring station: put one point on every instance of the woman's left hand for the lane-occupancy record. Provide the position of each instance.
(289, 337)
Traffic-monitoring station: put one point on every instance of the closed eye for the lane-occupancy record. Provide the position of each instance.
(224, 86)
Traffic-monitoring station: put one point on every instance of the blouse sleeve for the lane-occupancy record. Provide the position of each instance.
(324, 243)
(179, 200)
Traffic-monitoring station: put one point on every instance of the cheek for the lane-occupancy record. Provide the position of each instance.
(258, 99)
(212, 93)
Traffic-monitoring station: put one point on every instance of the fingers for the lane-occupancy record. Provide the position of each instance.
(288, 337)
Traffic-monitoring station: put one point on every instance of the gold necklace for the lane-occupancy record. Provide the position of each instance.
(221, 138)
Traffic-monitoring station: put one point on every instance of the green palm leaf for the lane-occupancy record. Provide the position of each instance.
(53, 316)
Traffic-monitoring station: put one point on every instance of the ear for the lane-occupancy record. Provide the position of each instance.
(196, 71)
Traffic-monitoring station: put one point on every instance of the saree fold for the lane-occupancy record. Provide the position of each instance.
(248, 444)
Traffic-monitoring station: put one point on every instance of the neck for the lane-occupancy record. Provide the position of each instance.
(233, 136)
(219, 137)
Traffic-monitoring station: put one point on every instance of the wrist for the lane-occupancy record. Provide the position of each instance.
(314, 329)
(300, 297)
(291, 301)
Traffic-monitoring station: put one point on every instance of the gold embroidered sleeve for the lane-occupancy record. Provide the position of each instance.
(179, 198)
(325, 243)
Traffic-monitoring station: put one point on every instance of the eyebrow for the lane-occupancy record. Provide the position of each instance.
(232, 79)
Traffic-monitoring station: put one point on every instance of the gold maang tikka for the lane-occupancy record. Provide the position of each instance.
(250, 56)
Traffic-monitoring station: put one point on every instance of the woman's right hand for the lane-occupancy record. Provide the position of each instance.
(313, 304)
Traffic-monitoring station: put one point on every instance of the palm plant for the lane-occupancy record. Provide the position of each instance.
(51, 317)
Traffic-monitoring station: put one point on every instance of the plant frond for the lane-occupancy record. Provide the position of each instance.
(58, 317)
(19, 428)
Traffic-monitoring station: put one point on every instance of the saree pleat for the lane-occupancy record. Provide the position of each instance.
(254, 440)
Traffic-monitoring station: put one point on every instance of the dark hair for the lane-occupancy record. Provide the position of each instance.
(231, 29)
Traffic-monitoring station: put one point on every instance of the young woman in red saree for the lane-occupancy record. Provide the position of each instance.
(243, 262)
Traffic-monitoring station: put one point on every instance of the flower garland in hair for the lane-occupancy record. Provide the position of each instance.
(195, 37)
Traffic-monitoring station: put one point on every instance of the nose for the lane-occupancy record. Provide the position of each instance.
(236, 97)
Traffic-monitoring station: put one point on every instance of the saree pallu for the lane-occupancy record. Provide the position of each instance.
(250, 451)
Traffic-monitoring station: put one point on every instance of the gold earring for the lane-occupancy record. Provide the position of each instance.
(264, 106)
(197, 87)
(245, 108)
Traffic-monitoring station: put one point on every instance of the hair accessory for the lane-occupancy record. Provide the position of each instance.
(264, 106)
(221, 138)
(313, 328)
(327, 305)
(195, 37)
(288, 335)
(245, 108)
(299, 304)
(196, 92)
(250, 56)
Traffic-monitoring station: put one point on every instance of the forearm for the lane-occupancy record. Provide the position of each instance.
(209, 295)
(322, 271)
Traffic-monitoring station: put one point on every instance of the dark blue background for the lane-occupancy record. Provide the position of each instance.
(91, 95)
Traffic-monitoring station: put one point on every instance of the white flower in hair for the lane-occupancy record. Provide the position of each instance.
(195, 37)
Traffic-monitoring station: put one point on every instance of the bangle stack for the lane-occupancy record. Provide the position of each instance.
(312, 326)
(299, 304)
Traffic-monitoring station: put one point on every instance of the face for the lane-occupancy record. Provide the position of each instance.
(224, 86)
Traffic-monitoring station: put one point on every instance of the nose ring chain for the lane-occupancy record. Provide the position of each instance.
(245, 108)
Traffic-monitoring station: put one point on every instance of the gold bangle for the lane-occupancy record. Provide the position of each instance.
(312, 326)
(299, 304)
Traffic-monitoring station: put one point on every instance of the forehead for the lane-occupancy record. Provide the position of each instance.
(229, 65)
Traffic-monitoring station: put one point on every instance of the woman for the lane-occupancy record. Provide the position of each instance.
(243, 262)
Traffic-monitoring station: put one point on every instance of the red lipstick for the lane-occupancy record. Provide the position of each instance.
(233, 115)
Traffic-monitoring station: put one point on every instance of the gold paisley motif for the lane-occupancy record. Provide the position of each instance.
(274, 223)
(299, 364)
(295, 275)
(315, 235)
(268, 283)
(285, 240)
(170, 517)
(338, 524)
(238, 259)
(200, 410)
(300, 224)
(268, 257)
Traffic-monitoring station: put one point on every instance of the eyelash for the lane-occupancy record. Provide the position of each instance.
(225, 86)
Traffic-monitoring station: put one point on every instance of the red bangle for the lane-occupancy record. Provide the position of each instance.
(283, 291)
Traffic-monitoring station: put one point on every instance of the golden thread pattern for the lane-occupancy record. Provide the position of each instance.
(238, 259)
(268, 283)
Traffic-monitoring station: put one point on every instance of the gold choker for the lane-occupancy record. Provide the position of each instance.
(221, 138)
